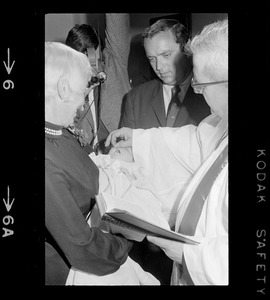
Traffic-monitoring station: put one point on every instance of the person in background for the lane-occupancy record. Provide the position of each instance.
(198, 156)
(71, 183)
(102, 110)
(153, 104)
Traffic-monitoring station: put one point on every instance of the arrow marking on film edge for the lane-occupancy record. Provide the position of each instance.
(8, 68)
(8, 205)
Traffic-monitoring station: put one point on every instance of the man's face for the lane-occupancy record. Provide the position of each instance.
(166, 58)
(216, 96)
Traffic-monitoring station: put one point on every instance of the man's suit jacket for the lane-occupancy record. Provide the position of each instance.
(143, 107)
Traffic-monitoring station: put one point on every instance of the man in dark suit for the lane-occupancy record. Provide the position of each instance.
(149, 104)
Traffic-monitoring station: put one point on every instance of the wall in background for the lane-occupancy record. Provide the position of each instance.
(200, 20)
(57, 27)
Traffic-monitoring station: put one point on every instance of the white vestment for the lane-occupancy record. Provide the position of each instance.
(176, 159)
(129, 273)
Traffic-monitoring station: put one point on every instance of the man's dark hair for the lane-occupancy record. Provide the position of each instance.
(179, 31)
(81, 37)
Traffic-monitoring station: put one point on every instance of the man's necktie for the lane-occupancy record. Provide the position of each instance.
(174, 106)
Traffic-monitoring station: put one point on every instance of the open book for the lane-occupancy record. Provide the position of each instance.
(134, 222)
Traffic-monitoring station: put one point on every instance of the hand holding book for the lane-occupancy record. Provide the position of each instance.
(133, 222)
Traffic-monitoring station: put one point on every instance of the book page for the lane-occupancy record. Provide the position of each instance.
(127, 205)
(150, 229)
(132, 222)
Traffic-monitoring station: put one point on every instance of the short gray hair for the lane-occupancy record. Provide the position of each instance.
(213, 42)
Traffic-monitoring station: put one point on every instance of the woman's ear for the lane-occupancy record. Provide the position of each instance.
(63, 88)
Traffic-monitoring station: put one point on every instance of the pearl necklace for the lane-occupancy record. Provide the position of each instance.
(52, 131)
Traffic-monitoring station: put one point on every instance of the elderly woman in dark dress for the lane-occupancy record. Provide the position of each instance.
(71, 178)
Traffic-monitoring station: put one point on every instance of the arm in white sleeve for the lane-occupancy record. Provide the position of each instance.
(168, 155)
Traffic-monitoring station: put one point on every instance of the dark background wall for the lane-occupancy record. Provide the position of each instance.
(57, 27)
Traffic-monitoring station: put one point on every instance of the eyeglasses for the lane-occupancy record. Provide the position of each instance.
(199, 87)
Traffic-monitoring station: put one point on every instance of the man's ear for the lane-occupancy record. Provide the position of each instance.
(63, 88)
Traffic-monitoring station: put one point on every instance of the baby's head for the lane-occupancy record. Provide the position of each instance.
(123, 154)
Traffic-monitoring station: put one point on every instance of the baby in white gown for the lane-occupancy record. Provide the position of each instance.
(122, 178)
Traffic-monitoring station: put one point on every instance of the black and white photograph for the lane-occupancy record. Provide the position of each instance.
(118, 170)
